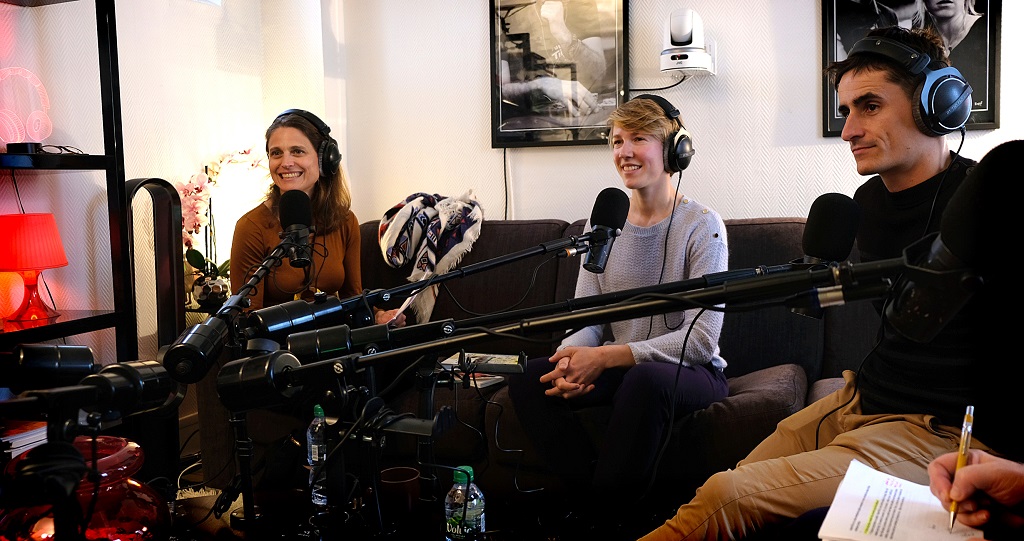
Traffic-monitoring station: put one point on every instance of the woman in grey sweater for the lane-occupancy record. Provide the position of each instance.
(650, 368)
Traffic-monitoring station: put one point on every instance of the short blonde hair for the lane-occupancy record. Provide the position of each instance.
(643, 115)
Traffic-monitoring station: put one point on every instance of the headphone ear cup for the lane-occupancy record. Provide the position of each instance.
(683, 149)
(944, 102)
(330, 156)
(38, 126)
(679, 152)
(670, 153)
(918, 110)
(11, 128)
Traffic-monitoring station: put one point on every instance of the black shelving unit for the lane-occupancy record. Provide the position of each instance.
(156, 432)
(123, 317)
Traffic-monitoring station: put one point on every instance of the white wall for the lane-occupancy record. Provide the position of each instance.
(419, 110)
(404, 84)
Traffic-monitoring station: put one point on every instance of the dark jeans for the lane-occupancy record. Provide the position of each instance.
(642, 399)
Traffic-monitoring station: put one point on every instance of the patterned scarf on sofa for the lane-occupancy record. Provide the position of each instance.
(433, 231)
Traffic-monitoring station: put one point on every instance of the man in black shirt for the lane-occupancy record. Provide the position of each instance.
(905, 405)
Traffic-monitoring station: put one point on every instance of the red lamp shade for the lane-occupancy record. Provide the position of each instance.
(30, 243)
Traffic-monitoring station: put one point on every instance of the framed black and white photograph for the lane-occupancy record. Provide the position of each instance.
(558, 69)
(971, 29)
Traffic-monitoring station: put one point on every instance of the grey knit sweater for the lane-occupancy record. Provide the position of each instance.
(697, 245)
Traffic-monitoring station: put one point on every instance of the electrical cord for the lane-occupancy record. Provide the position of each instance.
(504, 175)
(677, 83)
(664, 256)
(672, 408)
(533, 282)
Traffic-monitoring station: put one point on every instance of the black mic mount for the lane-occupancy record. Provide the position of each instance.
(331, 342)
(44, 366)
(274, 378)
(190, 357)
(270, 378)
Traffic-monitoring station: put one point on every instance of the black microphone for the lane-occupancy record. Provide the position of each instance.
(134, 387)
(830, 229)
(196, 350)
(331, 342)
(44, 366)
(829, 233)
(606, 221)
(296, 220)
(279, 321)
(941, 278)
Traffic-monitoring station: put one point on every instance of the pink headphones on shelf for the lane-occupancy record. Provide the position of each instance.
(37, 125)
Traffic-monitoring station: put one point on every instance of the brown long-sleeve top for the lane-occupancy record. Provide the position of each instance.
(334, 270)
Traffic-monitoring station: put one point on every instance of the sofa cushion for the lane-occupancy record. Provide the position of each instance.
(719, 436)
(824, 387)
(764, 337)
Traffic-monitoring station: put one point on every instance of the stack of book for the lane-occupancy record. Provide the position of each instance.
(16, 437)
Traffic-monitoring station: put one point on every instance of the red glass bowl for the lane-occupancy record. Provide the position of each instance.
(125, 509)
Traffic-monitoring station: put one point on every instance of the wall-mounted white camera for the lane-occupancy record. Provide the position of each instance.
(686, 46)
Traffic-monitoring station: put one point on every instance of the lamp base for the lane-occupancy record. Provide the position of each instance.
(33, 308)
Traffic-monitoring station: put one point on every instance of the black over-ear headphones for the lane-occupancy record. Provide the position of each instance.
(943, 102)
(329, 153)
(679, 145)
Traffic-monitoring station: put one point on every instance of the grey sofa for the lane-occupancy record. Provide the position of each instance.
(778, 361)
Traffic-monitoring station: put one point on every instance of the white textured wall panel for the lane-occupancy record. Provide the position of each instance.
(419, 110)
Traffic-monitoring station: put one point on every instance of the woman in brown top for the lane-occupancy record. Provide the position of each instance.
(303, 156)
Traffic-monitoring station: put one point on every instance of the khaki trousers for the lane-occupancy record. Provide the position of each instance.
(790, 472)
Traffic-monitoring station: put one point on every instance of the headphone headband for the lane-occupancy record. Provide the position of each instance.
(915, 61)
(320, 125)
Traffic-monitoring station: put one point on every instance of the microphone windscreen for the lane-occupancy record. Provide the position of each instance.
(960, 228)
(831, 227)
(610, 209)
(295, 209)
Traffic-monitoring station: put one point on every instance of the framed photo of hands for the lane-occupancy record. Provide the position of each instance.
(558, 69)
(971, 29)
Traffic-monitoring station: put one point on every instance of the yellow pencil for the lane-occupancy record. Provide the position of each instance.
(961, 460)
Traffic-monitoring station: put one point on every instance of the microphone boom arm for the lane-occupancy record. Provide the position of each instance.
(776, 288)
(359, 308)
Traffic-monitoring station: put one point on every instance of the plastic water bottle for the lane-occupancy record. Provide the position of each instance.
(316, 443)
(464, 508)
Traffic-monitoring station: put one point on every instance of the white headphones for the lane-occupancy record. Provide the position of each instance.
(37, 125)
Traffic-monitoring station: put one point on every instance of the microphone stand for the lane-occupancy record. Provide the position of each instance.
(205, 341)
(249, 516)
(571, 246)
(571, 305)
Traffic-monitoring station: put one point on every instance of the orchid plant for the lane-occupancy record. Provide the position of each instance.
(195, 208)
